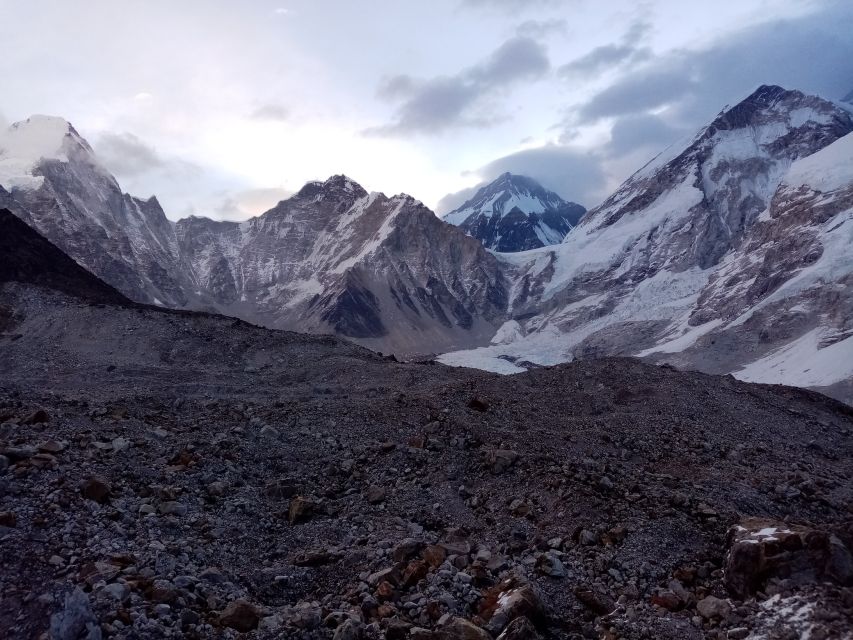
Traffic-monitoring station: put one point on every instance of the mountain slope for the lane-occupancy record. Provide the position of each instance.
(27, 258)
(516, 213)
(642, 273)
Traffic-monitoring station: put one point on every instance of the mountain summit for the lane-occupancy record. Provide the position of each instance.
(516, 213)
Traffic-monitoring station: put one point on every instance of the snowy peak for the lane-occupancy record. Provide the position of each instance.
(26, 144)
(516, 213)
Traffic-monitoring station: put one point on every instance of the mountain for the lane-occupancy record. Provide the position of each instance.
(516, 213)
(28, 258)
(53, 176)
(697, 243)
(333, 258)
(848, 98)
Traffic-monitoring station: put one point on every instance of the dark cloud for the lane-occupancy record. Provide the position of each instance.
(575, 175)
(277, 112)
(634, 132)
(543, 28)
(444, 102)
(125, 155)
(625, 53)
(813, 53)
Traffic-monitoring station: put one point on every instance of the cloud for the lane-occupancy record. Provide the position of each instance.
(543, 28)
(687, 87)
(125, 155)
(636, 131)
(445, 102)
(513, 5)
(575, 175)
(248, 203)
(629, 51)
(275, 112)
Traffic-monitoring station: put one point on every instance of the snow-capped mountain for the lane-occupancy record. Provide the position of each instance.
(53, 180)
(714, 234)
(332, 258)
(516, 213)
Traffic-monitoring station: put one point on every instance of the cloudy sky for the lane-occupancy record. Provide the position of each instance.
(221, 108)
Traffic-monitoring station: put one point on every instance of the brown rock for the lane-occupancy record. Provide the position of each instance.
(519, 629)
(37, 417)
(462, 629)
(240, 615)
(414, 572)
(97, 489)
(499, 460)
(434, 555)
(712, 607)
(508, 600)
(8, 519)
(51, 446)
(300, 509)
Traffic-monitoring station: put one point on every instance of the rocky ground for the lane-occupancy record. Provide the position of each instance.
(175, 475)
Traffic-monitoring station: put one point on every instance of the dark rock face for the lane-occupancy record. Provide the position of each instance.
(516, 213)
(26, 257)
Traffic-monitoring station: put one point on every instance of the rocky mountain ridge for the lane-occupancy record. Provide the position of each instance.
(516, 213)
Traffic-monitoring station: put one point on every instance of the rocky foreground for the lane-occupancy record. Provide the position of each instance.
(175, 475)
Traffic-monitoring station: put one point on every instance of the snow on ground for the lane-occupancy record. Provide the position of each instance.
(829, 169)
(802, 363)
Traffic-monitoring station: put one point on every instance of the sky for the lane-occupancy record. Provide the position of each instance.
(223, 107)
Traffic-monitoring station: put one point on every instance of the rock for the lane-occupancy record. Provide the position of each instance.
(478, 404)
(499, 460)
(519, 629)
(761, 550)
(587, 538)
(415, 571)
(240, 615)
(462, 629)
(406, 550)
(599, 603)
(97, 489)
(8, 519)
(434, 555)
(300, 509)
(120, 444)
(738, 633)
(508, 600)
(215, 489)
(667, 599)
(117, 591)
(550, 565)
(76, 620)
(375, 494)
(4, 463)
(173, 509)
(39, 416)
(51, 446)
(712, 607)
(269, 432)
(349, 630)
(162, 591)
(212, 575)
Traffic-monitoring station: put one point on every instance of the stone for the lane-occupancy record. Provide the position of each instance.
(462, 629)
(599, 603)
(39, 416)
(269, 432)
(162, 591)
(240, 615)
(215, 489)
(738, 633)
(550, 565)
(712, 607)
(96, 489)
(117, 591)
(300, 509)
(499, 460)
(51, 446)
(349, 630)
(406, 550)
(172, 508)
(8, 519)
(76, 620)
(434, 555)
(414, 572)
(375, 494)
(519, 629)
(587, 538)
(508, 600)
